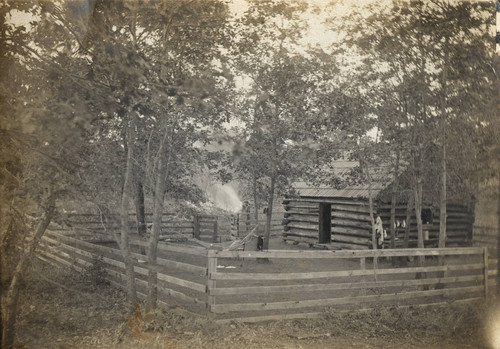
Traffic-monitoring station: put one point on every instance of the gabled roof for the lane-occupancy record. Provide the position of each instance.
(341, 169)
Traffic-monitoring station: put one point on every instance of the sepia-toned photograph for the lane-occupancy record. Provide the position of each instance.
(289, 174)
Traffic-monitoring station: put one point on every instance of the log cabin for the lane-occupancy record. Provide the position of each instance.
(328, 217)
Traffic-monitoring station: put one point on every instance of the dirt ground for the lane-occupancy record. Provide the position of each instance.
(60, 309)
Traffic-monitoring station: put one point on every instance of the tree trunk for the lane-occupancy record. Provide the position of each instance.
(370, 206)
(255, 199)
(393, 200)
(409, 207)
(155, 234)
(442, 201)
(124, 219)
(139, 206)
(269, 214)
(418, 213)
(159, 197)
(10, 302)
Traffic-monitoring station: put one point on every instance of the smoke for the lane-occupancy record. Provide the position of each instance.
(224, 196)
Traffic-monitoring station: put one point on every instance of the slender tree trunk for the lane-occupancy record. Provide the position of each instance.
(372, 218)
(255, 199)
(442, 201)
(409, 207)
(159, 198)
(155, 234)
(418, 213)
(393, 200)
(269, 214)
(10, 301)
(124, 219)
(370, 204)
(139, 206)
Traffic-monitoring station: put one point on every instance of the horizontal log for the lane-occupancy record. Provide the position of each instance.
(351, 239)
(227, 291)
(300, 240)
(341, 273)
(224, 308)
(459, 251)
(304, 234)
(365, 225)
(341, 201)
(494, 236)
(308, 227)
(485, 240)
(351, 231)
(312, 220)
(301, 214)
(352, 208)
(300, 202)
(352, 216)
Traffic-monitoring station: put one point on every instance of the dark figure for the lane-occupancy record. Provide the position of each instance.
(426, 216)
(260, 243)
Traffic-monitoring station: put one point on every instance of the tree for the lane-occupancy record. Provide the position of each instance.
(44, 142)
(153, 68)
(275, 146)
(426, 63)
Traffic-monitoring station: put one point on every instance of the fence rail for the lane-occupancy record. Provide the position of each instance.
(228, 285)
(249, 296)
(209, 228)
(180, 282)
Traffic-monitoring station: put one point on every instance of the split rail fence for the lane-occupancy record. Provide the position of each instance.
(241, 224)
(229, 285)
(489, 238)
(209, 228)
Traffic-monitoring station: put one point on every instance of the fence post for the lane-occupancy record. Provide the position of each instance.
(362, 266)
(215, 232)
(485, 260)
(237, 225)
(211, 283)
(196, 227)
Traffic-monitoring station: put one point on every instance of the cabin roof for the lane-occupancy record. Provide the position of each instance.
(341, 169)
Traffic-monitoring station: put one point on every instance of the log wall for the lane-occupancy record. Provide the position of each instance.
(351, 225)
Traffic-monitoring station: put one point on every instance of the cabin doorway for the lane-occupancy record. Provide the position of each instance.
(325, 223)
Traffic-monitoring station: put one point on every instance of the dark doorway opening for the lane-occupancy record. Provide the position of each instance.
(325, 223)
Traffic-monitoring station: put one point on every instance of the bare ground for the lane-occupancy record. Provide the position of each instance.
(61, 309)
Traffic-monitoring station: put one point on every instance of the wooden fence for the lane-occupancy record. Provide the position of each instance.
(227, 285)
(181, 269)
(489, 238)
(208, 228)
(241, 224)
(344, 280)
